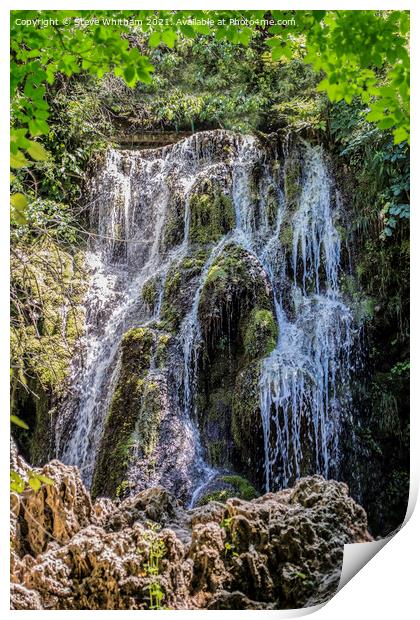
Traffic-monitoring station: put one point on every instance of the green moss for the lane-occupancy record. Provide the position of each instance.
(271, 206)
(237, 322)
(146, 431)
(212, 215)
(261, 334)
(286, 236)
(348, 285)
(292, 182)
(171, 311)
(162, 346)
(238, 487)
(216, 451)
(233, 275)
(173, 282)
(216, 413)
(242, 486)
(363, 306)
(122, 488)
(364, 309)
(42, 436)
(55, 284)
(173, 231)
(342, 232)
(133, 406)
(246, 419)
(178, 288)
(136, 348)
(217, 496)
(150, 293)
(193, 264)
(216, 273)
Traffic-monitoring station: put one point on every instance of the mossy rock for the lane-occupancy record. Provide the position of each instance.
(236, 315)
(286, 236)
(216, 419)
(271, 206)
(146, 432)
(193, 263)
(133, 415)
(212, 214)
(292, 181)
(216, 452)
(235, 279)
(173, 232)
(60, 297)
(261, 334)
(171, 311)
(242, 487)
(232, 486)
(136, 349)
(247, 433)
(38, 441)
(150, 293)
(162, 348)
(179, 288)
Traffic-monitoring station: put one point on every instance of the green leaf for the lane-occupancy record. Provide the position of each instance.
(35, 484)
(375, 115)
(400, 134)
(38, 127)
(144, 76)
(16, 482)
(154, 39)
(169, 38)
(45, 479)
(19, 205)
(18, 160)
(37, 151)
(318, 15)
(387, 122)
(18, 201)
(129, 75)
(187, 30)
(273, 42)
(15, 420)
(245, 36)
(277, 53)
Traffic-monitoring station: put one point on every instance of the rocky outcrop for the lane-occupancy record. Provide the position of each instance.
(236, 317)
(282, 550)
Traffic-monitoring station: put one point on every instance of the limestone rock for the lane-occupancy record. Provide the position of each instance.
(23, 598)
(282, 550)
(56, 512)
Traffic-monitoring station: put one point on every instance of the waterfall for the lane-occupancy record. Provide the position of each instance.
(303, 387)
(132, 197)
(301, 379)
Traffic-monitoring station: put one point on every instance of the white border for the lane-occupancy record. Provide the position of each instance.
(386, 587)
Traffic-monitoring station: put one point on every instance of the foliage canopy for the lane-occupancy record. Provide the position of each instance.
(361, 54)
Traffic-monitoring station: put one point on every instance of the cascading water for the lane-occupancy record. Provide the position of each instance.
(126, 253)
(303, 382)
(300, 379)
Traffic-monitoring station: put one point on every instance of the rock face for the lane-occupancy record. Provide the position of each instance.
(282, 550)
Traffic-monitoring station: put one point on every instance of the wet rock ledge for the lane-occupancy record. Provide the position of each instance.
(280, 551)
